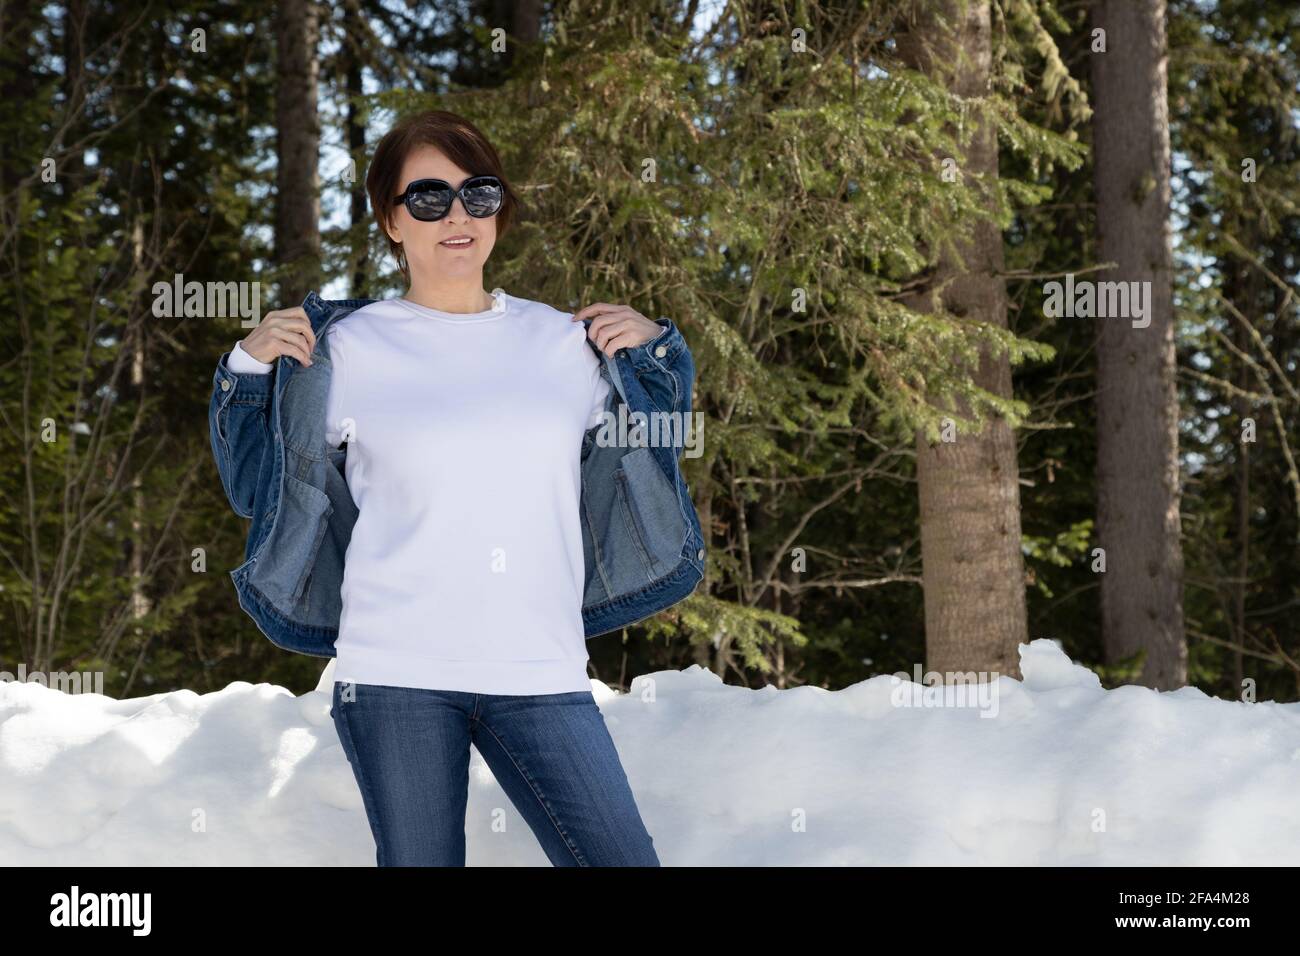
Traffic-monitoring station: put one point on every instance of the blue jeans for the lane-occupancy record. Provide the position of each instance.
(551, 754)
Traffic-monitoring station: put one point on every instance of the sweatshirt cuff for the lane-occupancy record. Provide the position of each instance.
(241, 363)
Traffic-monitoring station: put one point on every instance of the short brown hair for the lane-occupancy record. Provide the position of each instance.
(453, 135)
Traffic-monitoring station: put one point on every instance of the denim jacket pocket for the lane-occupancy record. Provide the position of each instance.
(653, 513)
(301, 524)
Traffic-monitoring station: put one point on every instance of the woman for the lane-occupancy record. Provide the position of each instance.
(464, 415)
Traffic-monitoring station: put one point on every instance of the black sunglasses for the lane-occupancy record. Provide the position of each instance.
(430, 199)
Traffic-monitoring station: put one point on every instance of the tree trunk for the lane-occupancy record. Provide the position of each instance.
(527, 20)
(73, 168)
(972, 568)
(354, 36)
(297, 200)
(1137, 404)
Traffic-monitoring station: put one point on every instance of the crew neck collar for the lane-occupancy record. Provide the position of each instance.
(500, 306)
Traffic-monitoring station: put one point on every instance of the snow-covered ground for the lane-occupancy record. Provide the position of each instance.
(1052, 770)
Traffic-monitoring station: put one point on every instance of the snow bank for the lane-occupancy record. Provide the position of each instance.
(1050, 770)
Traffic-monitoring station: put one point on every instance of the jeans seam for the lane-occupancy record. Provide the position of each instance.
(367, 795)
(537, 793)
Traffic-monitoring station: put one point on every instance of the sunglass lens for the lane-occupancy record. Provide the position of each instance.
(482, 197)
(429, 204)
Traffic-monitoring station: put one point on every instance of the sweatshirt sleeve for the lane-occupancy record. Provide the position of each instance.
(599, 391)
(335, 405)
(241, 363)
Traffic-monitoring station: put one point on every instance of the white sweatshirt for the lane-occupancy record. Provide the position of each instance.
(465, 568)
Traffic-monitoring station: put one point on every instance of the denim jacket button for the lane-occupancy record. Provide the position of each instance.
(700, 554)
(661, 351)
(225, 384)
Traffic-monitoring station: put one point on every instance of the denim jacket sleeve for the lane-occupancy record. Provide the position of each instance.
(240, 430)
(665, 369)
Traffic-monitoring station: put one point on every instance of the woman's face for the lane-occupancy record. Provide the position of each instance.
(425, 254)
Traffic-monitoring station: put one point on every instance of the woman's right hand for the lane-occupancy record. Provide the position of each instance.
(282, 332)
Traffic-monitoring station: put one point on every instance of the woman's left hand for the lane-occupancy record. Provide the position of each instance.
(616, 327)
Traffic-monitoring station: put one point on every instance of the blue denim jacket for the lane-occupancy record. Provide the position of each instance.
(641, 537)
